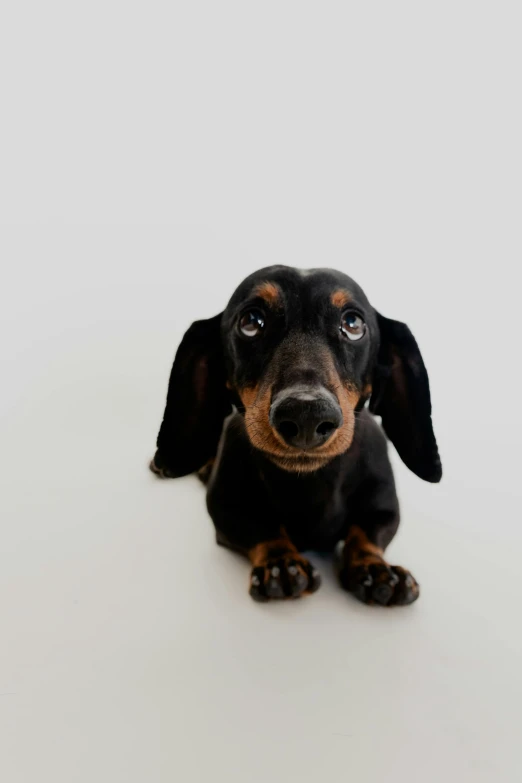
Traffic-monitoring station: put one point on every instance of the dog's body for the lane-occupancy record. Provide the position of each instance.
(300, 463)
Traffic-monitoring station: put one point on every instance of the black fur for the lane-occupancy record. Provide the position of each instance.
(255, 497)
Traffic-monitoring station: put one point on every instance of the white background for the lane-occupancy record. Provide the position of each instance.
(153, 154)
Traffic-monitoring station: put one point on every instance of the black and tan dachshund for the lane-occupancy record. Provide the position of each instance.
(268, 401)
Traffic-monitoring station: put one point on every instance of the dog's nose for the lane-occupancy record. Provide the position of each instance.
(304, 420)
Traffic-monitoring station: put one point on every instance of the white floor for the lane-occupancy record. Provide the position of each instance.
(131, 650)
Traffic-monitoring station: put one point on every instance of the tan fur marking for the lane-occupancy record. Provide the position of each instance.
(269, 292)
(359, 549)
(205, 471)
(262, 552)
(341, 298)
(248, 395)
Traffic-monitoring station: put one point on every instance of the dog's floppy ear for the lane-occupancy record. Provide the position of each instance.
(401, 396)
(197, 402)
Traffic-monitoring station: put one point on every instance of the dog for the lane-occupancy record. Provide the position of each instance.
(273, 403)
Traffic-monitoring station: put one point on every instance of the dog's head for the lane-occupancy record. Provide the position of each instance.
(299, 353)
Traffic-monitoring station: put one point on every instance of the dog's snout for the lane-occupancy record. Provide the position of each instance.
(305, 419)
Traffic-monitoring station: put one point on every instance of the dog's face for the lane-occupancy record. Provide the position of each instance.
(299, 353)
(299, 350)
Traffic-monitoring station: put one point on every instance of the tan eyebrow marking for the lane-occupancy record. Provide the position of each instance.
(269, 292)
(340, 298)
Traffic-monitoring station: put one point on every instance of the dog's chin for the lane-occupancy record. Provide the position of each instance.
(299, 464)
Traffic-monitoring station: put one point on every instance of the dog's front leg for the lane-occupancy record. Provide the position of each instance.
(365, 573)
(247, 521)
(278, 569)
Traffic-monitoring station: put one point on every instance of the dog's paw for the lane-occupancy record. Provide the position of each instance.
(380, 583)
(287, 576)
(160, 472)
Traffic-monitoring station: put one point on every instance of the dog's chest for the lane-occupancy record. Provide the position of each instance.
(313, 513)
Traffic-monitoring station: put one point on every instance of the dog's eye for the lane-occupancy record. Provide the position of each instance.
(251, 323)
(352, 325)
